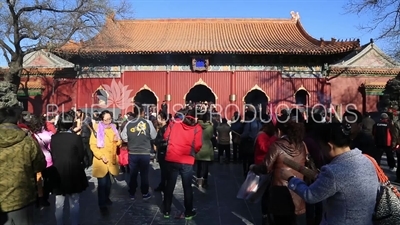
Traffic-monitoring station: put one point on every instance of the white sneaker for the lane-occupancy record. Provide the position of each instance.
(394, 169)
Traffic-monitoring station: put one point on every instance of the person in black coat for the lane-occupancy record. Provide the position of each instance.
(161, 145)
(68, 157)
(86, 131)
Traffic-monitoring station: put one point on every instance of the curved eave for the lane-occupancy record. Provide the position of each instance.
(259, 52)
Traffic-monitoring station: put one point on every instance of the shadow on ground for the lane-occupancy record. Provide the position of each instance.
(215, 206)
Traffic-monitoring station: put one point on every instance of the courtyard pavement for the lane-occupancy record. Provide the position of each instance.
(217, 205)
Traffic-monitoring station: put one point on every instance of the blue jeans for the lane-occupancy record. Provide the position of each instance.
(104, 190)
(73, 200)
(139, 163)
(22, 216)
(186, 172)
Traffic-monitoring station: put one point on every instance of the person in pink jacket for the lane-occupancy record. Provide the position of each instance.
(43, 137)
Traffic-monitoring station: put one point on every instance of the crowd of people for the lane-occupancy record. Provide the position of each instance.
(48, 155)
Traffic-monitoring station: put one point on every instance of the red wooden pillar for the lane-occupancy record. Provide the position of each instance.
(122, 79)
(167, 95)
(232, 96)
(77, 94)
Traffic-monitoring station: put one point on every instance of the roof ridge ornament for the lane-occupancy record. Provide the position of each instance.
(295, 15)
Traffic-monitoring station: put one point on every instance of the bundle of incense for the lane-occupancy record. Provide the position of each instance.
(235, 132)
(309, 173)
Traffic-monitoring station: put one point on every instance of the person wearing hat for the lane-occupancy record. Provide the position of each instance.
(385, 141)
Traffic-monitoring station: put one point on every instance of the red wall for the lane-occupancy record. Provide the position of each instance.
(59, 93)
(66, 93)
(182, 82)
(87, 87)
(178, 84)
(280, 90)
(223, 84)
(345, 91)
(156, 81)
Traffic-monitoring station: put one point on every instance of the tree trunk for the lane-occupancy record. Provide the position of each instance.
(9, 87)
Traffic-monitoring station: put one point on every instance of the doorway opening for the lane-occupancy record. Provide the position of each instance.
(200, 93)
(145, 97)
(301, 97)
(258, 99)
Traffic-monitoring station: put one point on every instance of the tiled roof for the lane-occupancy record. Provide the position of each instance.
(375, 85)
(36, 84)
(42, 71)
(361, 70)
(45, 59)
(208, 36)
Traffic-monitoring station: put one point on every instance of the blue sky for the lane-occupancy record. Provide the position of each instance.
(320, 18)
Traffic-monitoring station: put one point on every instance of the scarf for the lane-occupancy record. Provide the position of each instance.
(101, 133)
(25, 128)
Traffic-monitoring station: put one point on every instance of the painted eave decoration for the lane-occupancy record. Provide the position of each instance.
(375, 88)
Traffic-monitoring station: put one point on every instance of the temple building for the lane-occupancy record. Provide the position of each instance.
(225, 61)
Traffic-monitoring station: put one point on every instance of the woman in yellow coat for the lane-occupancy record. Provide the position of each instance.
(104, 142)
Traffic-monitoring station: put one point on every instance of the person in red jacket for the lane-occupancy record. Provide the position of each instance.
(49, 123)
(184, 140)
(264, 139)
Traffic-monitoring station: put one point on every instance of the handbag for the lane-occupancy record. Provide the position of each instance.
(123, 156)
(387, 208)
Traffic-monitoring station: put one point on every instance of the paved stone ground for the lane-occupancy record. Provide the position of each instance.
(390, 174)
(215, 206)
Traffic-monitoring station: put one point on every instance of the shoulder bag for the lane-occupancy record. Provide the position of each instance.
(387, 208)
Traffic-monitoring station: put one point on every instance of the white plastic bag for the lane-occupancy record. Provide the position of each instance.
(249, 186)
(263, 184)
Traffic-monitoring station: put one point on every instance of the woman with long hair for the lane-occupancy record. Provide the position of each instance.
(161, 146)
(86, 131)
(43, 137)
(284, 206)
(184, 140)
(104, 143)
(68, 158)
(348, 184)
(206, 154)
(79, 117)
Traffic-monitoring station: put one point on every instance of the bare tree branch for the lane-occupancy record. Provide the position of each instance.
(384, 16)
(6, 47)
(27, 26)
(5, 55)
(50, 9)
